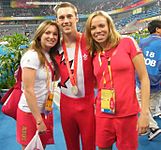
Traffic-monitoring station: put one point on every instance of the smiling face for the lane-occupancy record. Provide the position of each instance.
(99, 30)
(49, 38)
(67, 20)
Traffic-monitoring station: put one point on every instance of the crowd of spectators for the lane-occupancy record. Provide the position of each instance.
(154, 10)
(27, 30)
(21, 12)
(89, 6)
(85, 7)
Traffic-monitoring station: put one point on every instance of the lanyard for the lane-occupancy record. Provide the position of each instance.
(48, 83)
(51, 69)
(73, 75)
(109, 70)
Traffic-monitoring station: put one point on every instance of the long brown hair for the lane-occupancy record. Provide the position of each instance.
(113, 37)
(36, 43)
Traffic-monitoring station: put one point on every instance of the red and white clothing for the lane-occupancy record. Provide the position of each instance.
(75, 108)
(110, 128)
(26, 124)
(84, 72)
(26, 128)
(31, 60)
(123, 76)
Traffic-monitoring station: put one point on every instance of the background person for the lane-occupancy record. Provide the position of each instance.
(37, 85)
(77, 86)
(151, 47)
(115, 60)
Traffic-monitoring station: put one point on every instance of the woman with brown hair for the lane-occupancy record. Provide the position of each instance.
(34, 109)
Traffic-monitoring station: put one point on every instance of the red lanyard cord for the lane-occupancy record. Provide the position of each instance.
(51, 69)
(109, 70)
(73, 77)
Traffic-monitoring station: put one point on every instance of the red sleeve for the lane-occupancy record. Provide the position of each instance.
(134, 48)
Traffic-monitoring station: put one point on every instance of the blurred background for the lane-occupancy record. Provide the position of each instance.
(23, 16)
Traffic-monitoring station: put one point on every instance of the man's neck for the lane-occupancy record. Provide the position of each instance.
(70, 39)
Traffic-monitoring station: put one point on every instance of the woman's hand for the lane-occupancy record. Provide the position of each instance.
(143, 123)
(41, 127)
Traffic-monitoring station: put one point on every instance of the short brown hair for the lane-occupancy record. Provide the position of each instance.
(65, 4)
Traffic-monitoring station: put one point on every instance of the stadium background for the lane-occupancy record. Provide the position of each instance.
(129, 15)
(16, 16)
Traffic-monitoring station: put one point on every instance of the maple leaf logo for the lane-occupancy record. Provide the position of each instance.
(65, 75)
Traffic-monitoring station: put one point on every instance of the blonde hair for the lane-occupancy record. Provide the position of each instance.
(36, 42)
(113, 37)
(63, 5)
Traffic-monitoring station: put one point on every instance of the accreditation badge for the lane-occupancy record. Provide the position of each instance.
(49, 102)
(108, 101)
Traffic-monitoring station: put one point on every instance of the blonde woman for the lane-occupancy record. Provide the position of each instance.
(115, 60)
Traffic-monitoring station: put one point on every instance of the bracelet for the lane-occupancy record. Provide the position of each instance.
(39, 122)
